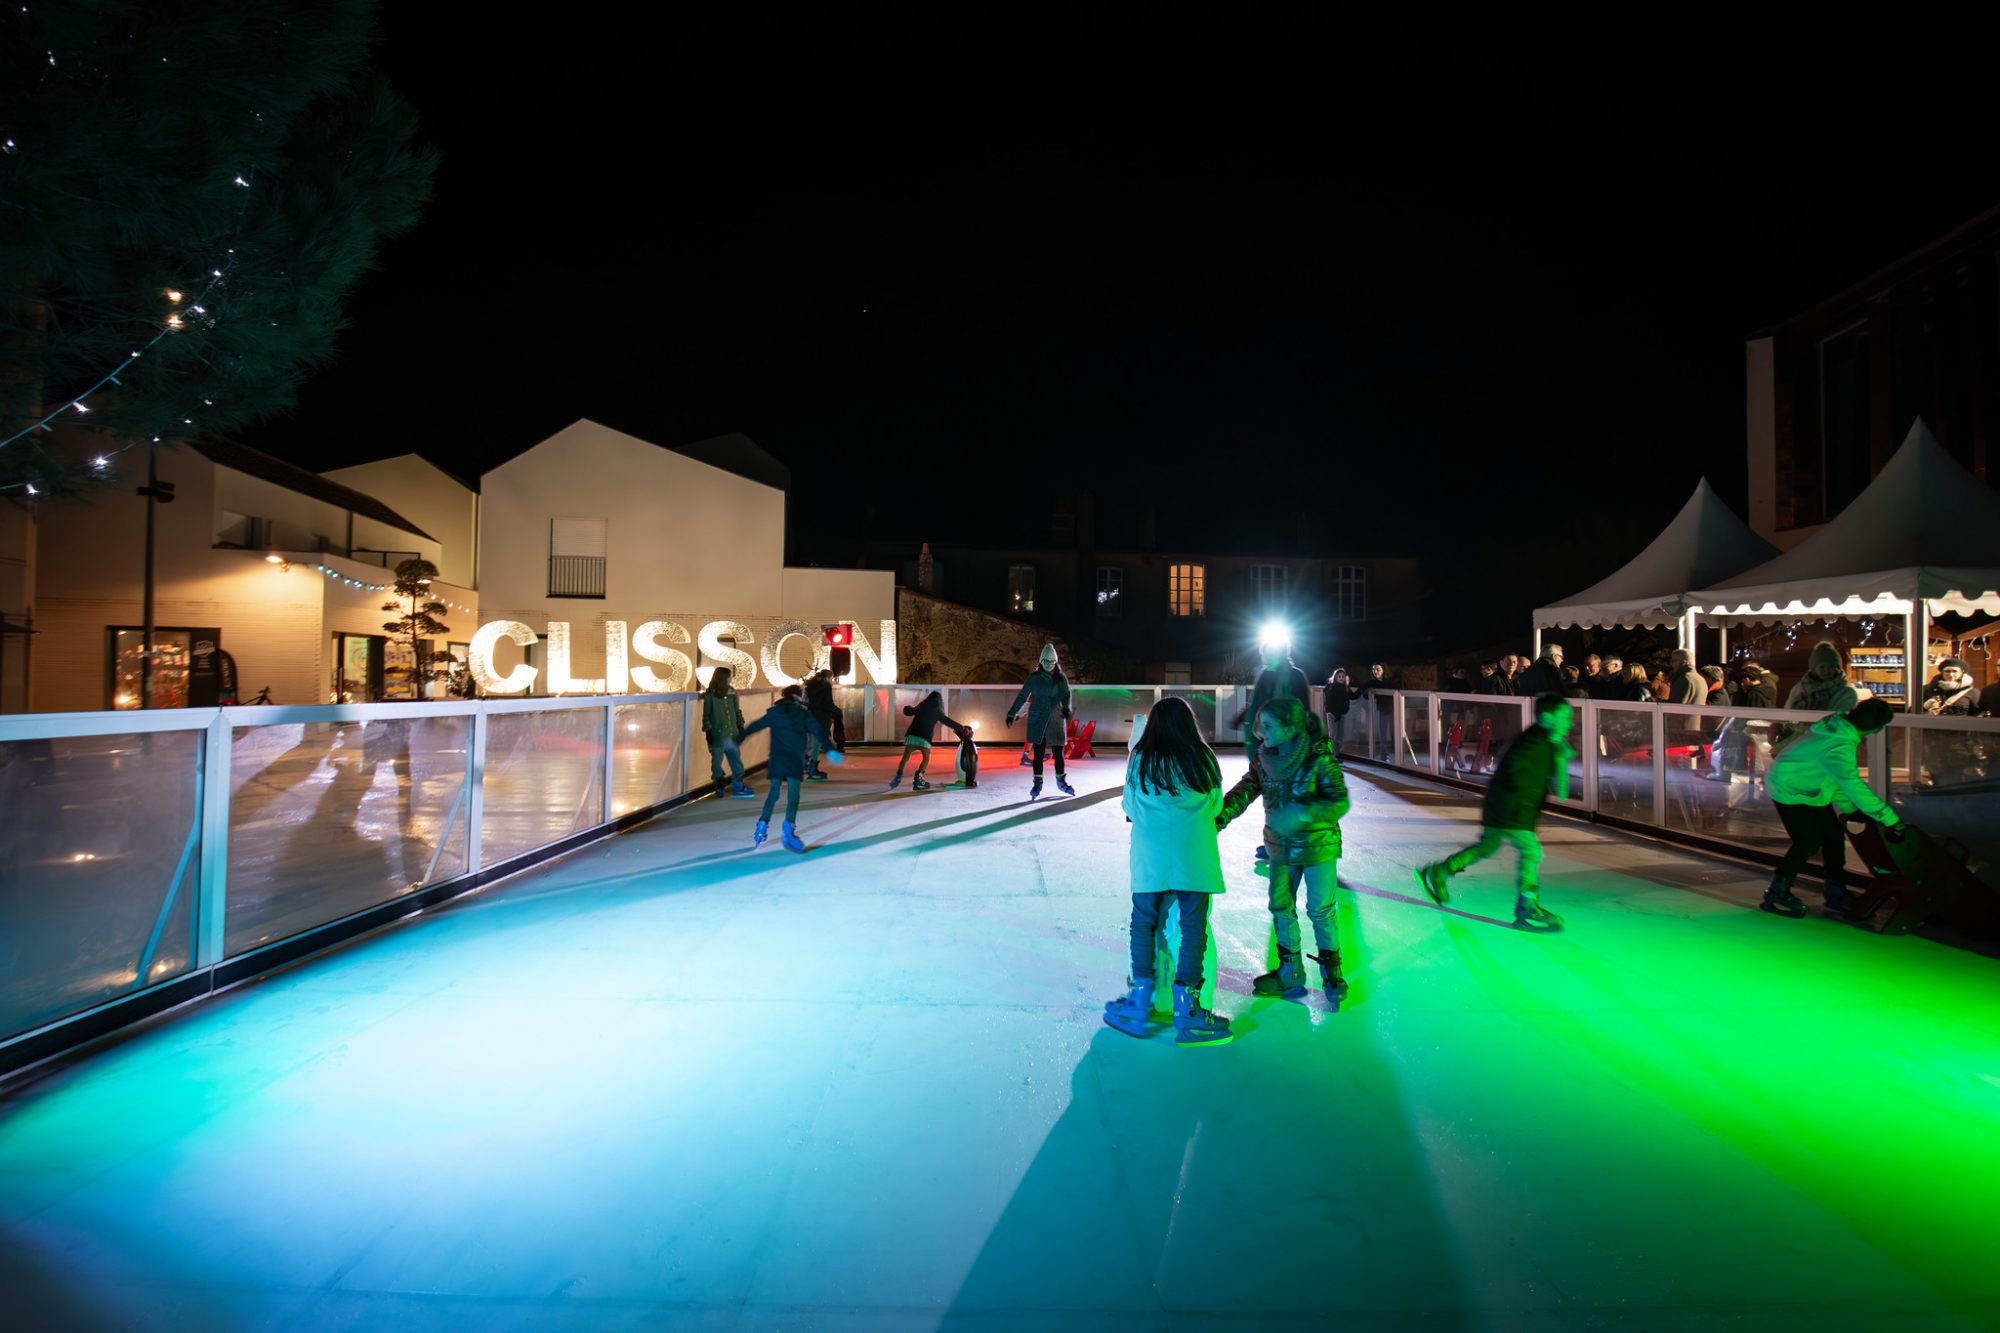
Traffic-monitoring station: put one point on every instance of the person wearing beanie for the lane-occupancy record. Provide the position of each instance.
(1813, 781)
(1951, 692)
(1045, 697)
(1954, 756)
(1825, 688)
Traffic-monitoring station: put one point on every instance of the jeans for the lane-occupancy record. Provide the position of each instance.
(1148, 910)
(720, 747)
(1815, 829)
(791, 786)
(1319, 881)
(1336, 730)
(1490, 841)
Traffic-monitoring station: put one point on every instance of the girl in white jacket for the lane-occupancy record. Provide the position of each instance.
(1173, 792)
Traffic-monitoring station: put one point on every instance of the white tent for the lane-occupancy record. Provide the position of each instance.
(1705, 542)
(1922, 540)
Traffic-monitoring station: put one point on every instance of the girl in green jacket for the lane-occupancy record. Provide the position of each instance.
(722, 724)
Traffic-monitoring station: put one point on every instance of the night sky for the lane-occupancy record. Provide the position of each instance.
(1482, 299)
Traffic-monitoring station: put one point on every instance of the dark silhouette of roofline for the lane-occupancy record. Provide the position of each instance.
(1890, 274)
(225, 452)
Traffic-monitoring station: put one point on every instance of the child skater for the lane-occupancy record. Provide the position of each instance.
(924, 718)
(722, 724)
(1173, 793)
(1511, 809)
(790, 723)
(1298, 776)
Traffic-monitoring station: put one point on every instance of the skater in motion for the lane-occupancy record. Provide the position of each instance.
(1173, 795)
(1512, 807)
(1045, 695)
(820, 700)
(790, 723)
(924, 719)
(722, 724)
(1813, 780)
(1298, 776)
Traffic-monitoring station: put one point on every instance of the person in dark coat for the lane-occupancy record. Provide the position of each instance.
(1339, 697)
(1378, 679)
(1490, 679)
(1513, 806)
(1280, 676)
(1545, 676)
(924, 718)
(1045, 696)
(791, 724)
(1718, 690)
(822, 704)
(1610, 683)
(722, 724)
(1760, 688)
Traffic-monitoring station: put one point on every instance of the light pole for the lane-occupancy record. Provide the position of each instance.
(157, 492)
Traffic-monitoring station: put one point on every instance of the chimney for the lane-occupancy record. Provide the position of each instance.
(924, 568)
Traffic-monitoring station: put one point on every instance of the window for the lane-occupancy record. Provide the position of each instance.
(245, 530)
(1187, 589)
(1110, 582)
(1350, 593)
(1179, 673)
(1267, 584)
(576, 557)
(1021, 589)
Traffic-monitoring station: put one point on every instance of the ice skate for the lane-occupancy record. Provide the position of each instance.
(918, 783)
(1838, 901)
(1330, 979)
(1433, 880)
(1035, 789)
(895, 782)
(1778, 898)
(1288, 981)
(1062, 785)
(816, 774)
(790, 837)
(1529, 914)
(1132, 1013)
(763, 831)
(742, 789)
(1194, 1025)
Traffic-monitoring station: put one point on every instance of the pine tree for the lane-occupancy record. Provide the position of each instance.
(420, 622)
(210, 177)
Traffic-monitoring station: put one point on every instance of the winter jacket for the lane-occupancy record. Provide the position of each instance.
(1302, 804)
(1952, 701)
(924, 719)
(1272, 682)
(721, 715)
(1543, 677)
(1045, 694)
(1813, 695)
(1494, 684)
(1173, 837)
(1339, 696)
(1763, 694)
(789, 723)
(819, 695)
(1820, 767)
(1689, 687)
(1521, 779)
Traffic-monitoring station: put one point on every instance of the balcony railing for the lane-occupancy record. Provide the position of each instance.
(576, 576)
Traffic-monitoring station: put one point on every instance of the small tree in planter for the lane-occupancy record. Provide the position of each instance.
(420, 620)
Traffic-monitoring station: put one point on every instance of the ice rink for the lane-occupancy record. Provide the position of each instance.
(672, 1082)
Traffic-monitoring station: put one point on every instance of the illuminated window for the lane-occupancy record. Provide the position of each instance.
(1187, 589)
(1110, 583)
(1350, 593)
(1267, 584)
(1021, 589)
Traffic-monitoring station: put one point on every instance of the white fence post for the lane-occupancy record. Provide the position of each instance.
(1659, 768)
(1588, 748)
(475, 805)
(212, 904)
(1431, 731)
(610, 747)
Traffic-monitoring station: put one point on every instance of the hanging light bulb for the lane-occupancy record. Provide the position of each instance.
(174, 296)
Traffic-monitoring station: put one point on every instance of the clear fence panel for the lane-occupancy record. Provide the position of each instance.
(1381, 729)
(853, 703)
(1471, 734)
(1230, 701)
(99, 872)
(1417, 731)
(646, 750)
(544, 776)
(1714, 775)
(327, 818)
(985, 710)
(1202, 702)
(1111, 707)
(1624, 741)
(756, 703)
(1945, 779)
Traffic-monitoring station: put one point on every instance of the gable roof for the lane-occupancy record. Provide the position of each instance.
(737, 453)
(1924, 529)
(225, 452)
(1705, 542)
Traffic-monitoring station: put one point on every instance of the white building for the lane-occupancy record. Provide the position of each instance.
(280, 569)
(605, 536)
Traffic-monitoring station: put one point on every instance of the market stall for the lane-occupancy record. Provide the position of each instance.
(1923, 540)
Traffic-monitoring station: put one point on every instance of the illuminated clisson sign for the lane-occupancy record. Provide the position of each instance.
(666, 669)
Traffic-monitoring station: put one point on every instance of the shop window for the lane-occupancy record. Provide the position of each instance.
(1187, 590)
(1021, 589)
(188, 667)
(1110, 583)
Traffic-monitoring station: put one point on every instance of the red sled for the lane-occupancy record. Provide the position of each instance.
(1916, 875)
(1076, 744)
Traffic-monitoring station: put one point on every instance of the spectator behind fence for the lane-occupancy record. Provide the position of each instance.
(1545, 675)
(1825, 688)
(1611, 682)
(1573, 683)
(1490, 679)
(1718, 691)
(1638, 689)
(1760, 688)
(1593, 670)
(1684, 684)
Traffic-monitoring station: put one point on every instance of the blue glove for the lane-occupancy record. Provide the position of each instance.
(836, 758)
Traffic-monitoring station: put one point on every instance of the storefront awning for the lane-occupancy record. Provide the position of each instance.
(1705, 542)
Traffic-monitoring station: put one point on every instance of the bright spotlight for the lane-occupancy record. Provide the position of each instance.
(1274, 634)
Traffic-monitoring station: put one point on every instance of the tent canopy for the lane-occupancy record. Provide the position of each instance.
(1704, 543)
(1925, 530)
